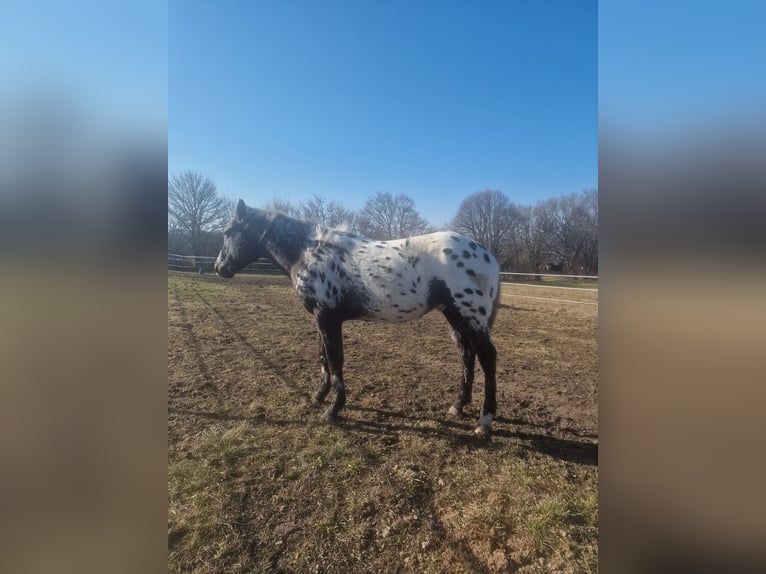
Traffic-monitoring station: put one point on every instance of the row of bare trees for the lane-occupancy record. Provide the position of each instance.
(557, 234)
(384, 216)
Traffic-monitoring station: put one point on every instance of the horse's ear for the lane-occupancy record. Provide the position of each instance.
(241, 209)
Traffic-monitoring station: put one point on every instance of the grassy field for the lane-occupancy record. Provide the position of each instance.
(257, 482)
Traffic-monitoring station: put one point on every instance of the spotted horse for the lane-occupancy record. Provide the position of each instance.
(342, 276)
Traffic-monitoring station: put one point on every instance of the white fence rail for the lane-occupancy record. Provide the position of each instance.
(550, 275)
(535, 280)
(203, 263)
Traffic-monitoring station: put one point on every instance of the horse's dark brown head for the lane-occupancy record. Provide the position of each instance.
(240, 241)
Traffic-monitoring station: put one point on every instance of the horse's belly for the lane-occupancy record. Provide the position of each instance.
(399, 309)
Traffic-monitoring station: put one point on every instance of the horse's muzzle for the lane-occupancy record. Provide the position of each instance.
(222, 269)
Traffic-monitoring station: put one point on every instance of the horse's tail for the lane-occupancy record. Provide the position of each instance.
(495, 305)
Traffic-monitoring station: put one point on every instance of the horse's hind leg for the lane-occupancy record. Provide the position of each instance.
(331, 333)
(469, 362)
(324, 383)
(488, 360)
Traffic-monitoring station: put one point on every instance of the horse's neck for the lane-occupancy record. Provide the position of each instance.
(285, 239)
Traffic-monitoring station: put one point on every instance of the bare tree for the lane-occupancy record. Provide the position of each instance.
(590, 248)
(283, 205)
(195, 208)
(386, 216)
(570, 225)
(327, 213)
(488, 217)
(530, 241)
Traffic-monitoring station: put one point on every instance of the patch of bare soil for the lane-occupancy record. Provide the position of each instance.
(258, 482)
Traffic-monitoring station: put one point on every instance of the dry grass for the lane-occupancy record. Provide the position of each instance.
(258, 483)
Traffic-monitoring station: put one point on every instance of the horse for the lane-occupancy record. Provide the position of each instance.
(341, 276)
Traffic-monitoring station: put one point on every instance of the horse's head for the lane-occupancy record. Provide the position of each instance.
(241, 241)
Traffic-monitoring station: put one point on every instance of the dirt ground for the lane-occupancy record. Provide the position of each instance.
(258, 482)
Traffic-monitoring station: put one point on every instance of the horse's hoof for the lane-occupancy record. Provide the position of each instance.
(483, 431)
(330, 416)
(315, 400)
(454, 411)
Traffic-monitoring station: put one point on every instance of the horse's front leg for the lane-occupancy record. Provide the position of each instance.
(324, 383)
(331, 333)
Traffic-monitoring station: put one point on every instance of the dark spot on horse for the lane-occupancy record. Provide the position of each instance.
(388, 295)
(413, 291)
(379, 246)
(454, 257)
(310, 289)
(468, 290)
(471, 272)
(317, 256)
(472, 245)
(482, 310)
(414, 284)
(388, 258)
(459, 295)
(446, 250)
(418, 278)
(466, 254)
(313, 273)
(480, 293)
(399, 275)
(466, 303)
(491, 291)
(403, 294)
(396, 305)
(389, 269)
(415, 261)
(365, 240)
(322, 276)
(486, 258)
(460, 264)
(332, 266)
(342, 274)
(455, 237)
(327, 293)
(334, 290)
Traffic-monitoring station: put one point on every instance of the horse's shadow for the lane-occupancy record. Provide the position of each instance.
(392, 424)
(460, 431)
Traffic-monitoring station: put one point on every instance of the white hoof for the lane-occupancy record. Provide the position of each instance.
(484, 426)
(454, 412)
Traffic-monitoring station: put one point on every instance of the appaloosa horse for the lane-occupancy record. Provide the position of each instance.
(341, 276)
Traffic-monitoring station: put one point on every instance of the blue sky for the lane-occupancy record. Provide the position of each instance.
(436, 100)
